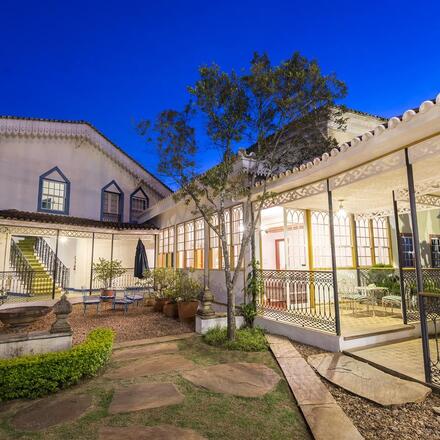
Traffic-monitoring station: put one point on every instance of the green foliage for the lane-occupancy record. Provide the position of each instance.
(249, 312)
(246, 339)
(384, 276)
(175, 285)
(106, 270)
(163, 280)
(38, 375)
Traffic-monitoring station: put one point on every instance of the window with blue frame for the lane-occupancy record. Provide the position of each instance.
(54, 192)
(138, 205)
(112, 203)
(407, 250)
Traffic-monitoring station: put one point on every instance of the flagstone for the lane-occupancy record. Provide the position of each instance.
(366, 381)
(144, 351)
(51, 411)
(240, 379)
(163, 432)
(151, 365)
(144, 396)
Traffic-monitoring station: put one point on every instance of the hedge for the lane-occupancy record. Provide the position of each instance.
(38, 375)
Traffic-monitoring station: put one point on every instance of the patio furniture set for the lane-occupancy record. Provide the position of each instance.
(373, 296)
(122, 298)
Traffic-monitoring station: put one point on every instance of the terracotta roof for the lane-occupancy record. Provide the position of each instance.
(66, 121)
(14, 214)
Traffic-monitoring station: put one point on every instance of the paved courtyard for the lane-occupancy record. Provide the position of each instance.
(166, 388)
(404, 357)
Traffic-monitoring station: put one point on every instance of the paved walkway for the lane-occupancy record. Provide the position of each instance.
(324, 416)
(404, 357)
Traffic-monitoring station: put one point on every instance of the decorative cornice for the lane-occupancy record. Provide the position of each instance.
(38, 128)
(360, 141)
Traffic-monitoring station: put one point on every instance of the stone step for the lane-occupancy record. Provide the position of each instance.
(325, 418)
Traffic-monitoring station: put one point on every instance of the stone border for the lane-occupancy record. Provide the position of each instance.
(324, 416)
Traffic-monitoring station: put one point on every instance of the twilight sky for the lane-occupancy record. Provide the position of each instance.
(114, 62)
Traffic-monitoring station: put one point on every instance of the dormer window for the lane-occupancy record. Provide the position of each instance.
(54, 192)
(112, 203)
(138, 205)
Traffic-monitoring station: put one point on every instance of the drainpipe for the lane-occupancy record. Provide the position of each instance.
(111, 262)
(333, 250)
(418, 266)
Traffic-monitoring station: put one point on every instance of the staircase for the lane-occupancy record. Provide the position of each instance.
(41, 282)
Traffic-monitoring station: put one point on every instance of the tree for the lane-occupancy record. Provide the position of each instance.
(282, 111)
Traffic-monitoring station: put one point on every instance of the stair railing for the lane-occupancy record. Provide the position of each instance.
(21, 265)
(48, 259)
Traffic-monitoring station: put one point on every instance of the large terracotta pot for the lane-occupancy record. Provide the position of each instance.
(187, 309)
(170, 309)
(158, 305)
(107, 294)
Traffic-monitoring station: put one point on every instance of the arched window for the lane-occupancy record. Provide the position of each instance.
(54, 192)
(138, 205)
(112, 203)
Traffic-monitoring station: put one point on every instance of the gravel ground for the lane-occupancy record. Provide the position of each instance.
(408, 422)
(138, 323)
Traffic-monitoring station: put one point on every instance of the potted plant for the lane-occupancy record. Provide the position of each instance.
(162, 280)
(105, 271)
(146, 283)
(189, 291)
(170, 305)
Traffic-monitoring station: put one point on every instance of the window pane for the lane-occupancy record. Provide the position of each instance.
(363, 241)
(53, 195)
(381, 241)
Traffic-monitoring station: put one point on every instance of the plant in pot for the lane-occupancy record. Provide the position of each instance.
(146, 283)
(170, 306)
(104, 271)
(163, 279)
(189, 290)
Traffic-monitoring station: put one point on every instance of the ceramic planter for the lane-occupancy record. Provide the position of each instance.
(158, 305)
(107, 294)
(187, 309)
(170, 309)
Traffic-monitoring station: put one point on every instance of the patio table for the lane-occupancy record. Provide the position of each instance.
(373, 295)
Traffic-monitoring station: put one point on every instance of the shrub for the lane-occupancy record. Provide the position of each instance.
(246, 339)
(38, 375)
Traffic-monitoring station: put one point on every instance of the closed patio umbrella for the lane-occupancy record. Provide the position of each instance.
(140, 260)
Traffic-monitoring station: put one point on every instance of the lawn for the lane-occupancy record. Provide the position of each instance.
(215, 416)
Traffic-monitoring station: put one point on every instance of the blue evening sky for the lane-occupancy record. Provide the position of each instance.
(114, 62)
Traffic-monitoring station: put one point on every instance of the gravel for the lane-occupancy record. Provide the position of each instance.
(409, 422)
(138, 323)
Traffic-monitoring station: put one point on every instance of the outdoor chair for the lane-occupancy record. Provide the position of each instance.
(91, 300)
(391, 301)
(120, 299)
(135, 294)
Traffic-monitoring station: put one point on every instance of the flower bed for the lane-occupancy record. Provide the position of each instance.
(35, 376)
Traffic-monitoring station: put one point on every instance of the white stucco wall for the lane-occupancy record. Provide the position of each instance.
(24, 160)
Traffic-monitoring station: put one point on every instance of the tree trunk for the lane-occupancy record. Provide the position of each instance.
(230, 311)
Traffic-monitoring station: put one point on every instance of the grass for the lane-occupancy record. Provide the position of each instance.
(215, 416)
(246, 339)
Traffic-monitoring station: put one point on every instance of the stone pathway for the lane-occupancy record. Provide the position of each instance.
(144, 396)
(145, 366)
(51, 411)
(145, 351)
(324, 416)
(239, 379)
(164, 432)
(366, 381)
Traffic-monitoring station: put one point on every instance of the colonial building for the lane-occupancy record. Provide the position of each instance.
(68, 196)
(349, 247)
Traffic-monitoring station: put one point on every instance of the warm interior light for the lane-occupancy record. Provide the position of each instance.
(63, 239)
(342, 213)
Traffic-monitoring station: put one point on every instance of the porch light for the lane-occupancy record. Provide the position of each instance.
(342, 213)
(63, 239)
